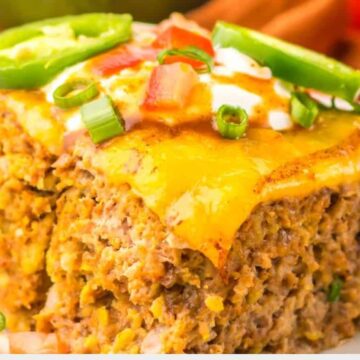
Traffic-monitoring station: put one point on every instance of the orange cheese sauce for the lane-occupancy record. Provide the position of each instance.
(204, 187)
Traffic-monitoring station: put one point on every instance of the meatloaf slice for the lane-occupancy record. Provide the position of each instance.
(121, 284)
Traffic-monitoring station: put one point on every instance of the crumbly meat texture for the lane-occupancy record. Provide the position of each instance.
(26, 220)
(120, 284)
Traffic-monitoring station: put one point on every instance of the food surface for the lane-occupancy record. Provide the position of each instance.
(177, 193)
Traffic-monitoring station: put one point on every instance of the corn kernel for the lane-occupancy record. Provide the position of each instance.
(134, 318)
(214, 303)
(123, 340)
(314, 335)
(102, 316)
(134, 349)
(254, 295)
(86, 267)
(87, 294)
(157, 307)
(91, 342)
(32, 261)
(4, 279)
(204, 331)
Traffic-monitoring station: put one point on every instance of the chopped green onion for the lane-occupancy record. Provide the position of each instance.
(303, 109)
(335, 290)
(102, 119)
(232, 121)
(75, 93)
(191, 52)
(2, 321)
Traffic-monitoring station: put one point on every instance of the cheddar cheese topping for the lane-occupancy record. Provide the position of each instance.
(202, 186)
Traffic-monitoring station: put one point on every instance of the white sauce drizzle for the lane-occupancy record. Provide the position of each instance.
(235, 96)
(205, 78)
(323, 99)
(329, 101)
(232, 61)
(279, 120)
(74, 122)
(281, 89)
(343, 105)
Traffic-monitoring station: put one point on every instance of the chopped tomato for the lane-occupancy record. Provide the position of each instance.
(170, 86)
(354, 12)
(121, 58)
(175, 37)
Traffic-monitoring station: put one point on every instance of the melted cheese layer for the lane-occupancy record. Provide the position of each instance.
(203, 187)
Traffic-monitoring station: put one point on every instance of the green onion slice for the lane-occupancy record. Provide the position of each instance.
(102, 119)
(304, 110)
(335, 290)
(232, 121)
(2, 321)
(75, 93)
(191, 52)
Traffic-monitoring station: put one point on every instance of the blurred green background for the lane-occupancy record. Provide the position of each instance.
(14, 12)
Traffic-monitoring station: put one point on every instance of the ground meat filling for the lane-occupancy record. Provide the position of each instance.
(120, 285)
(92, 264)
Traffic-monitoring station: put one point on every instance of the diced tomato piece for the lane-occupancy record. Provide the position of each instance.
(121, 58)
(114, 61)
(170, 86)
(175, 37)
(354, 12)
